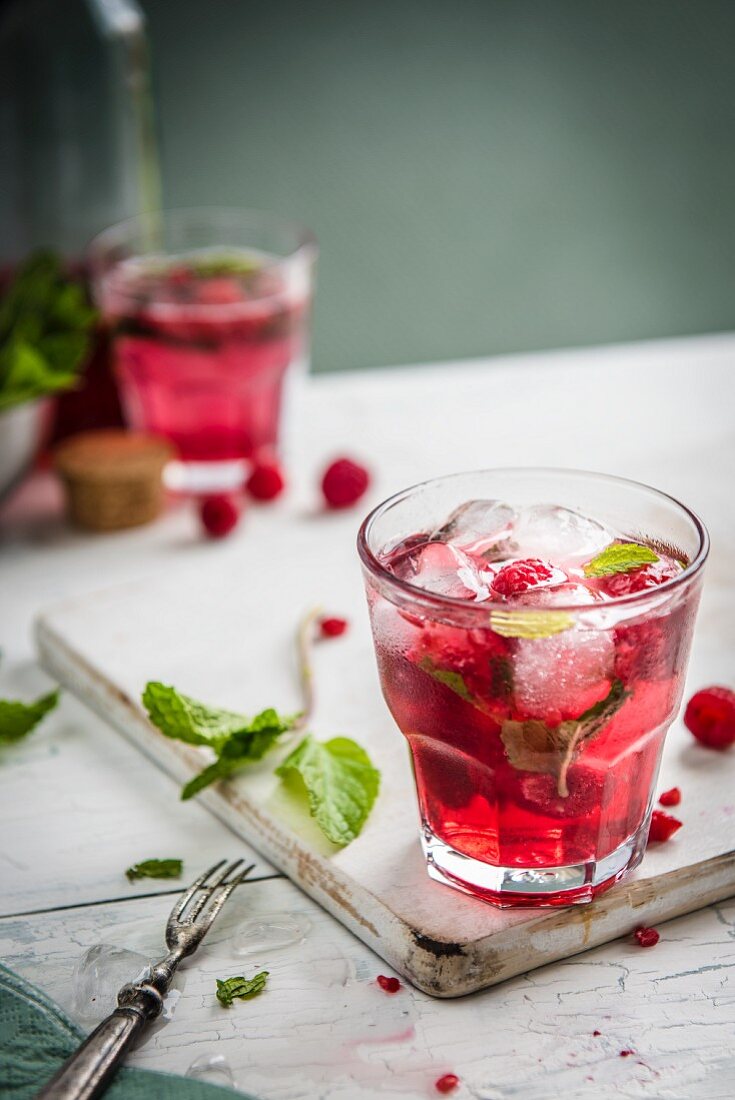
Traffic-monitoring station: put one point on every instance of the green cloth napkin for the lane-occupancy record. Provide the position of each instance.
(36, 1037)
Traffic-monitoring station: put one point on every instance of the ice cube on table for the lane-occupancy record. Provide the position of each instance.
(445, 570)
(482, 527)
(559, 535)
(97, 978)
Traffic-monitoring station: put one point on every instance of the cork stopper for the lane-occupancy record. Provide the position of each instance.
(113, 477)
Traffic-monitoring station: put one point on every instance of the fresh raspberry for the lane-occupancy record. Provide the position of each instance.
(638, 580)
(596, 1033)
(646, 937)
(670, 798)
(219, 515)
(332, 627)
(447, 1083)
(390, 985)
(710, 715)
(344, 482)
(626, 1053)
(663, 826)
(266, 481)
(519, 576)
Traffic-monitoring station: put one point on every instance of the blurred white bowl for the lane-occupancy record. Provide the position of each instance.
(21, 435)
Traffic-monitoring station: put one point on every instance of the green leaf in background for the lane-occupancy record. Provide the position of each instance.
(155, 868)
(243, 988)
(244, 747)
(340, 781)
(45, 331)
(17, 719)
(621, 557)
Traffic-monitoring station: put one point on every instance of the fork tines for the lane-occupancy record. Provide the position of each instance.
(187, 916)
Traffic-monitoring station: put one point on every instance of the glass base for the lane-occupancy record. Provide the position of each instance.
(532, 887)
(201, 478)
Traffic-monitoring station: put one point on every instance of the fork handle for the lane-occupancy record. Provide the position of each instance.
(88, 1072)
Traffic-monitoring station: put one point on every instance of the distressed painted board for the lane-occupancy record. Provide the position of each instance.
(323, 1028)
(226, 636)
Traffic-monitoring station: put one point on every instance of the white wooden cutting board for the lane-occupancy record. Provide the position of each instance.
(226, 636)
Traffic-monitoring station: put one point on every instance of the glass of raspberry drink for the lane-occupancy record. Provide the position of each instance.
(209, 310)
(532, 630)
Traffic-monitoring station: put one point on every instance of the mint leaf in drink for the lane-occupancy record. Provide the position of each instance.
(45, 331)
(155, 868)
(242, 988)
(17, 719)
(340, 781)
(620, 557)
(533, 746)
(530, 624)
(449, 677)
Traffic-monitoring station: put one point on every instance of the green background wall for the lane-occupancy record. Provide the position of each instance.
(483, 175)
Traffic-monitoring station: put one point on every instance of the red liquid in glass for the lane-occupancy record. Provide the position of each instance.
(464, 700)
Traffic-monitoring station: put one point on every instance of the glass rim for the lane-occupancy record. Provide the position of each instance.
(469, 607)
(306, 247)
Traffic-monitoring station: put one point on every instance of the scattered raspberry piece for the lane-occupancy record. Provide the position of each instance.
(519, 576)
(344, 482)
(266, 481)
(710, 715)
(447, 1083)
(626, 1053)
(596, 1033)
(663, 826)
(219, 515)
(670, 798)
(332, 627)
(647, 937)
(390, 985)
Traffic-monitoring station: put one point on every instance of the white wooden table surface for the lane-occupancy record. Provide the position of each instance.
(78, 804)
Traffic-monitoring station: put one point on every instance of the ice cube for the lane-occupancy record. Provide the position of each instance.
(212, 1068)
(559, 535)
(447, 571)
(98, 976)
(564, 674)
(482, 527)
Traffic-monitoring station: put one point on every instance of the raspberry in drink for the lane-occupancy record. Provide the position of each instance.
(533, 656)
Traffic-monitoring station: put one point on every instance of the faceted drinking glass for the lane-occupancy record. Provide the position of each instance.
(209, 310)
(535, 726)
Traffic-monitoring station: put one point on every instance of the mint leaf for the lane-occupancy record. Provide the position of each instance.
(340, 781)
(236, 739)
(186, 719)
(244, 747)
(621, 557)
(243, 988)
(155, 868)
(45, 331)
(17, 719)
(455, 681)
(530, 624)
(532, 746)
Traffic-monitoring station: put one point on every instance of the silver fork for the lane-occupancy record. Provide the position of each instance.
(88, 1072)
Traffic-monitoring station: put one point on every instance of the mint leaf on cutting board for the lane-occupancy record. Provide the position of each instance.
(340, 781)
(243, 988)
(17, 719)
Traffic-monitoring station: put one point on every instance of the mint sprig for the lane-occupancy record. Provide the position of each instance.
(155, 868)
(340, 782)
(18, 719)
(236, 739)
(242, 988)
(620, 557)
(45, 331)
